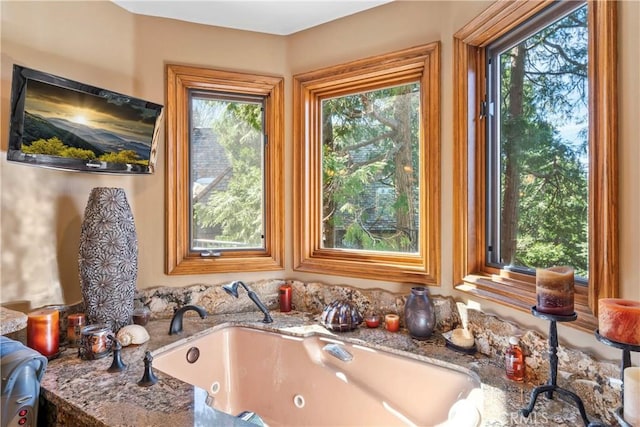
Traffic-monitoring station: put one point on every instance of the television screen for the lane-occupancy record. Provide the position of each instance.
(61, 123)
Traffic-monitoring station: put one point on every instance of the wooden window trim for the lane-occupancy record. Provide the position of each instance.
(179, 258)
(470, 272)
(421, 62)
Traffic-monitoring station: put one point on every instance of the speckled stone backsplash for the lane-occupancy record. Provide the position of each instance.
(596, 382)
(307, 297)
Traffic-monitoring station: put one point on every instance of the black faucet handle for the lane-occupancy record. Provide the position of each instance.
(117, 365)
(148, 377)
(176, 321)
(254, 297)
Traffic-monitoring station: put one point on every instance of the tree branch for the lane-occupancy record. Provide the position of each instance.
(369, 141)
(372, 112)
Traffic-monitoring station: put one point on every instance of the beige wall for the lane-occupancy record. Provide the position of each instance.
(42, 209)
(101, 44)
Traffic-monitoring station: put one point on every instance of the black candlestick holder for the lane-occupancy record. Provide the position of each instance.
(551, 386)
(624, 363)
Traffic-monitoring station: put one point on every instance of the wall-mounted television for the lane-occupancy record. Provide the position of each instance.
(64, 124)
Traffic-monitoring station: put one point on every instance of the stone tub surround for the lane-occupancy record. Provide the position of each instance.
(596, 382)
(82, 393)
(306, 297)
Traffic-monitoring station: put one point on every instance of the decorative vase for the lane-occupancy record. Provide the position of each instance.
(108, 258)
(419, 313)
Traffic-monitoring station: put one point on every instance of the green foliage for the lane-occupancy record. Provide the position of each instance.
(250, 114)
(55, 147)
(358, 237)
(124, 156)
(362, 141)
(552, 185)
(78, 153)
(236, 212)
(52, 147)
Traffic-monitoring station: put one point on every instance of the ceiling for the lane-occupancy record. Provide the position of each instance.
(265, 16)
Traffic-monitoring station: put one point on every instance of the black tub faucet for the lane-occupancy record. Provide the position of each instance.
(232, 289)
(176, 320)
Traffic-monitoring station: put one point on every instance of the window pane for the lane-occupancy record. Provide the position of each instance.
(227, 170)
(371, 174)
(542, 158)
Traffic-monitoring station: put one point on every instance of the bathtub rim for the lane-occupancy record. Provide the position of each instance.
(315, 330)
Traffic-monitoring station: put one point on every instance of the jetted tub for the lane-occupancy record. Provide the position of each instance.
(316, 380)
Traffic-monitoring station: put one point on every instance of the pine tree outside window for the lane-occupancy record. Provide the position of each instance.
(226, 161)
(537, 114)
(224, 186)
(370, 170)
(508, 216)
(367, 168)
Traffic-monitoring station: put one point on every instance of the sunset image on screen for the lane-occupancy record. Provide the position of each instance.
(106, 127)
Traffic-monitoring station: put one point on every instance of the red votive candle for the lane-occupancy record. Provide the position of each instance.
(372, 320)
(555, 290)
(285, 298)
(392, 322)
(75, 323)
(43, 331)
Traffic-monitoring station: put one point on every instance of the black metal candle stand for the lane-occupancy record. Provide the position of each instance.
(625, 363)
(551, 386)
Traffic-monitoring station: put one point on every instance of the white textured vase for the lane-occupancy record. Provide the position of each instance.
(108, 258)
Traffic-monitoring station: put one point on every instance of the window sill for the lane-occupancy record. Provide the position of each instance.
(522, 296)
(232, 263)
(398, 271)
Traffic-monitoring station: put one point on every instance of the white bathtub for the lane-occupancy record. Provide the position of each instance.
(295, 381)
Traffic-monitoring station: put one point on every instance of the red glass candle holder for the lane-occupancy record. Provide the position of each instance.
(141, 316)
(372, 320)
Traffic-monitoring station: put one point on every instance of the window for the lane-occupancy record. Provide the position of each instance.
(370, 146)
(224, 186)
(366, 141)
(533, 117)
(537, 133)
(227, 170)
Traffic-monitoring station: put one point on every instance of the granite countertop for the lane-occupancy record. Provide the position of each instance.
(83, 393)
(11, 321)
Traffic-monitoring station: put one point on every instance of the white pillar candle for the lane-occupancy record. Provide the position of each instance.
(632, 395)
